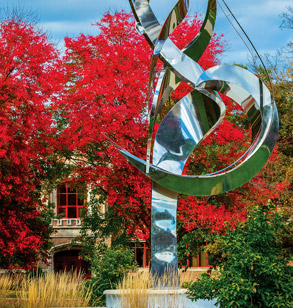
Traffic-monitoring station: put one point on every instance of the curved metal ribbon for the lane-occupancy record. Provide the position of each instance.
(256, 100)
(190, 121)
(177, 63)
(235, 82)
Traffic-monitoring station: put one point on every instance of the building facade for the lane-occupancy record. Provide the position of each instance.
(67, 257)
(64, 255)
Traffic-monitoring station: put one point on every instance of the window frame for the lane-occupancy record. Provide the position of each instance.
(198, 257)
(145, 254)
(189, 259)
(69, 191)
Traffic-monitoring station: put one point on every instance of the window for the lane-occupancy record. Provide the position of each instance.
(141, 254)
(202, 259)
(142, 257)
(69, 201)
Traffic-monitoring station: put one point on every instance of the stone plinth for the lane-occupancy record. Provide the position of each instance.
(153, 299)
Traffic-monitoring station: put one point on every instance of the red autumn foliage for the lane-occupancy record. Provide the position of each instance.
(28, 81)
(109, 78)
(42, 116)
(109, 75)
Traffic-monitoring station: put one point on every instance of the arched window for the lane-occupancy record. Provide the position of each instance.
(69, 201)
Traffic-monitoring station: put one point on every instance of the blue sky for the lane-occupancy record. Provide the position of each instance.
(259, 18)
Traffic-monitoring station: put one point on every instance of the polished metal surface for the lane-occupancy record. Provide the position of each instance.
(190, 120)
(163, 236)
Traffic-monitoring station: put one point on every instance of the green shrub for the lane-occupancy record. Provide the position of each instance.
(109, 270)
(253, 269)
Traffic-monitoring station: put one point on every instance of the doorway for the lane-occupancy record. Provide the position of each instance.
(70, 261)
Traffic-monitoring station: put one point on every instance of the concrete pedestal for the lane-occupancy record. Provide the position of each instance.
(153, 299)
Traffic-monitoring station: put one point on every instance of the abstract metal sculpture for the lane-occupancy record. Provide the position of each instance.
(190, 121)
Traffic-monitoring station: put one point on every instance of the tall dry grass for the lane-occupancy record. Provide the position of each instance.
(6, 289)
(137, 291)
(48, 290)
(134, 288)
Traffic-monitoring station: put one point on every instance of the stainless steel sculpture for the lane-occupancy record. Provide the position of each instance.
(190, 121)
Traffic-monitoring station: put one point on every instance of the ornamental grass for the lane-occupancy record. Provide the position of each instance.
(6, 290)
(136, 290)
(47, 290)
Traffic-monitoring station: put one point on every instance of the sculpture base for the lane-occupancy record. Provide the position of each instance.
(152, 298)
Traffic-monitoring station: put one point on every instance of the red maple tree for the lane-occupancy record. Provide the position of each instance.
(55, 112)
(28, 82)
(108, 76)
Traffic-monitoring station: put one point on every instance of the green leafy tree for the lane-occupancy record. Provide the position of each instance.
(108, 264)
(253, 268)
(109, 271)
(99, 229)
(280, 70)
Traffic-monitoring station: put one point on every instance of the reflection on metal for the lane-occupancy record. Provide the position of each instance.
(190, 121)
